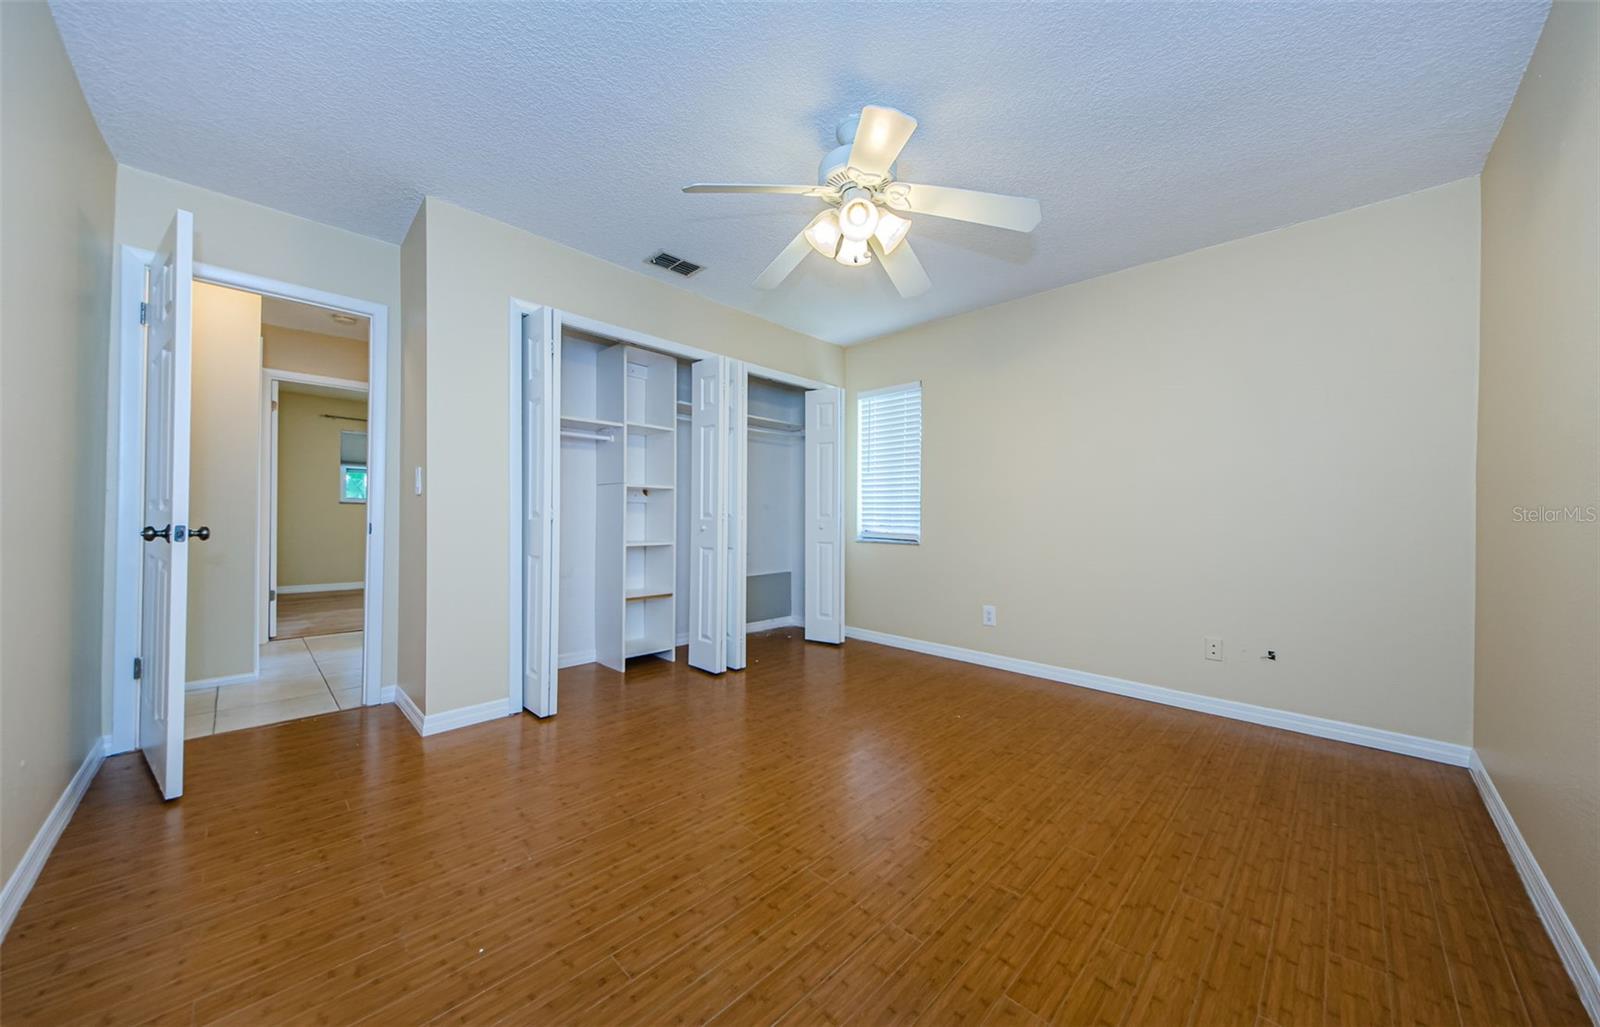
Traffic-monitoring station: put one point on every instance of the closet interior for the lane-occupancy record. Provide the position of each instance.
(775, 479)
(624, 485)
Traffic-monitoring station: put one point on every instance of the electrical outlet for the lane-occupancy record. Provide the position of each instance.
(1214, 649)
(988, 616)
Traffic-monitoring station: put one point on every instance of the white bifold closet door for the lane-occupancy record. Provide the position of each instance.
(824, 517)
(540, 432)
(708, 527)
(738, 541)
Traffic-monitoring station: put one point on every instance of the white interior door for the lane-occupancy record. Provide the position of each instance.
(272, 509)
(708, 525)
(738, 378)
(164, 606)
(824, 516)
(540, 428)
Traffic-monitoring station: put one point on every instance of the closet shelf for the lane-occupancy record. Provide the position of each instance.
(640, 426)
(655, 488)
(587, 423)
(773, 424)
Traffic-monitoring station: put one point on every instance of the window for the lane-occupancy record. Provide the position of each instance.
(889, 464)
(352, 467)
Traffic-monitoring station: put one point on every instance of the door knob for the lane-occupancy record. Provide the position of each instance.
(150, 534)
(201, 533)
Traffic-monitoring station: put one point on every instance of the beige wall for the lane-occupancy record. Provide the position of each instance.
(412, 509)
(224, 483)
(56, 205)
(244, 236)
(1538, 619)
(290, 349)
(1269, 441)
(320, 540)
(474, 267)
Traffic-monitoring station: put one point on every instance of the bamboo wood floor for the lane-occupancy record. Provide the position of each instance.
(835, 835)
(304, 614)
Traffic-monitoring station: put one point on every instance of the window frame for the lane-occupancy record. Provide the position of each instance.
(861, 534)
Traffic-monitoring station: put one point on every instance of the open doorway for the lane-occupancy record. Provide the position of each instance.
(158, 695)
(278, 472)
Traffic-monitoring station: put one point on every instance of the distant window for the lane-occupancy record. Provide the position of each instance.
(352, 467)
(889, 464)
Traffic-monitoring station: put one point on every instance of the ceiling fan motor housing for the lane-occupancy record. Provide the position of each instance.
(833, 171)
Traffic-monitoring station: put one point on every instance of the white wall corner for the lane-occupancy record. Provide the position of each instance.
(1320, 727)
(1574, 955)
(22, 879)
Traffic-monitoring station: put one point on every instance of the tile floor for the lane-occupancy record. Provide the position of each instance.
(300, 677)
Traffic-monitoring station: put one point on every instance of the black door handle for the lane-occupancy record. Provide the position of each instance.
(201, 533)
(150, 534)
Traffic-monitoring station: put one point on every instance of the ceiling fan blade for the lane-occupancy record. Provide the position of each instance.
(784, 263)
(880, 136)
(904, 269)
(1018, 213)
(737, 187)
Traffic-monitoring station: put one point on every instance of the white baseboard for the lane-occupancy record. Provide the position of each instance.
(386, 693)
(435, 723)
(222, 682)
(1574, 956)
(331, 586)
(774, 623)
(466, 716)
(403, 702)
(21, 881)
(1321, 727)
(565, 660)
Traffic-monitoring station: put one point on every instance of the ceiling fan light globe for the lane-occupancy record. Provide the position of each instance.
(854, 253)
(891, 229)
(823, 233)
(858, 215)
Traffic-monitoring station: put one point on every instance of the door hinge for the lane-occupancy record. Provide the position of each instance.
(272, 595)
(144, 312)
(138, 668)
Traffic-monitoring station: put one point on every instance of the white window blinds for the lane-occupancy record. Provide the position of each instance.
(889, 464)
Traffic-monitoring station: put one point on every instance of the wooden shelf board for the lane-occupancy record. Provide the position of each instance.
(648, 593)
(571, 421)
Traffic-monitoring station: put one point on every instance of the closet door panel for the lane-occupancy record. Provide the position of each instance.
(738, 436)
(708, 518)
(540, 433)
(824, 516)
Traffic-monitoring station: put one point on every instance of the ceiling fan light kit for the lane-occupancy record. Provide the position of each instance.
(866, 204)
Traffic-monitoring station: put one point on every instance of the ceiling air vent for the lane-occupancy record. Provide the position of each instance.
(677, 265)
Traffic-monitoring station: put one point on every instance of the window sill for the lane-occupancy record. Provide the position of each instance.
(890, 541)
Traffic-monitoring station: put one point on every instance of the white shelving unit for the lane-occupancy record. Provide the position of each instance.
(625, 402)
(644, 494)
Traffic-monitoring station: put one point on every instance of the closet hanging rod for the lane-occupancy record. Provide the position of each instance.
(593, 436)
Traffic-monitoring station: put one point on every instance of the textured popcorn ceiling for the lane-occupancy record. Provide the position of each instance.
(1146, 129)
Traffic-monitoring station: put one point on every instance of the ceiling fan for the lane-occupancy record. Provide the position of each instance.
(866, 206)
